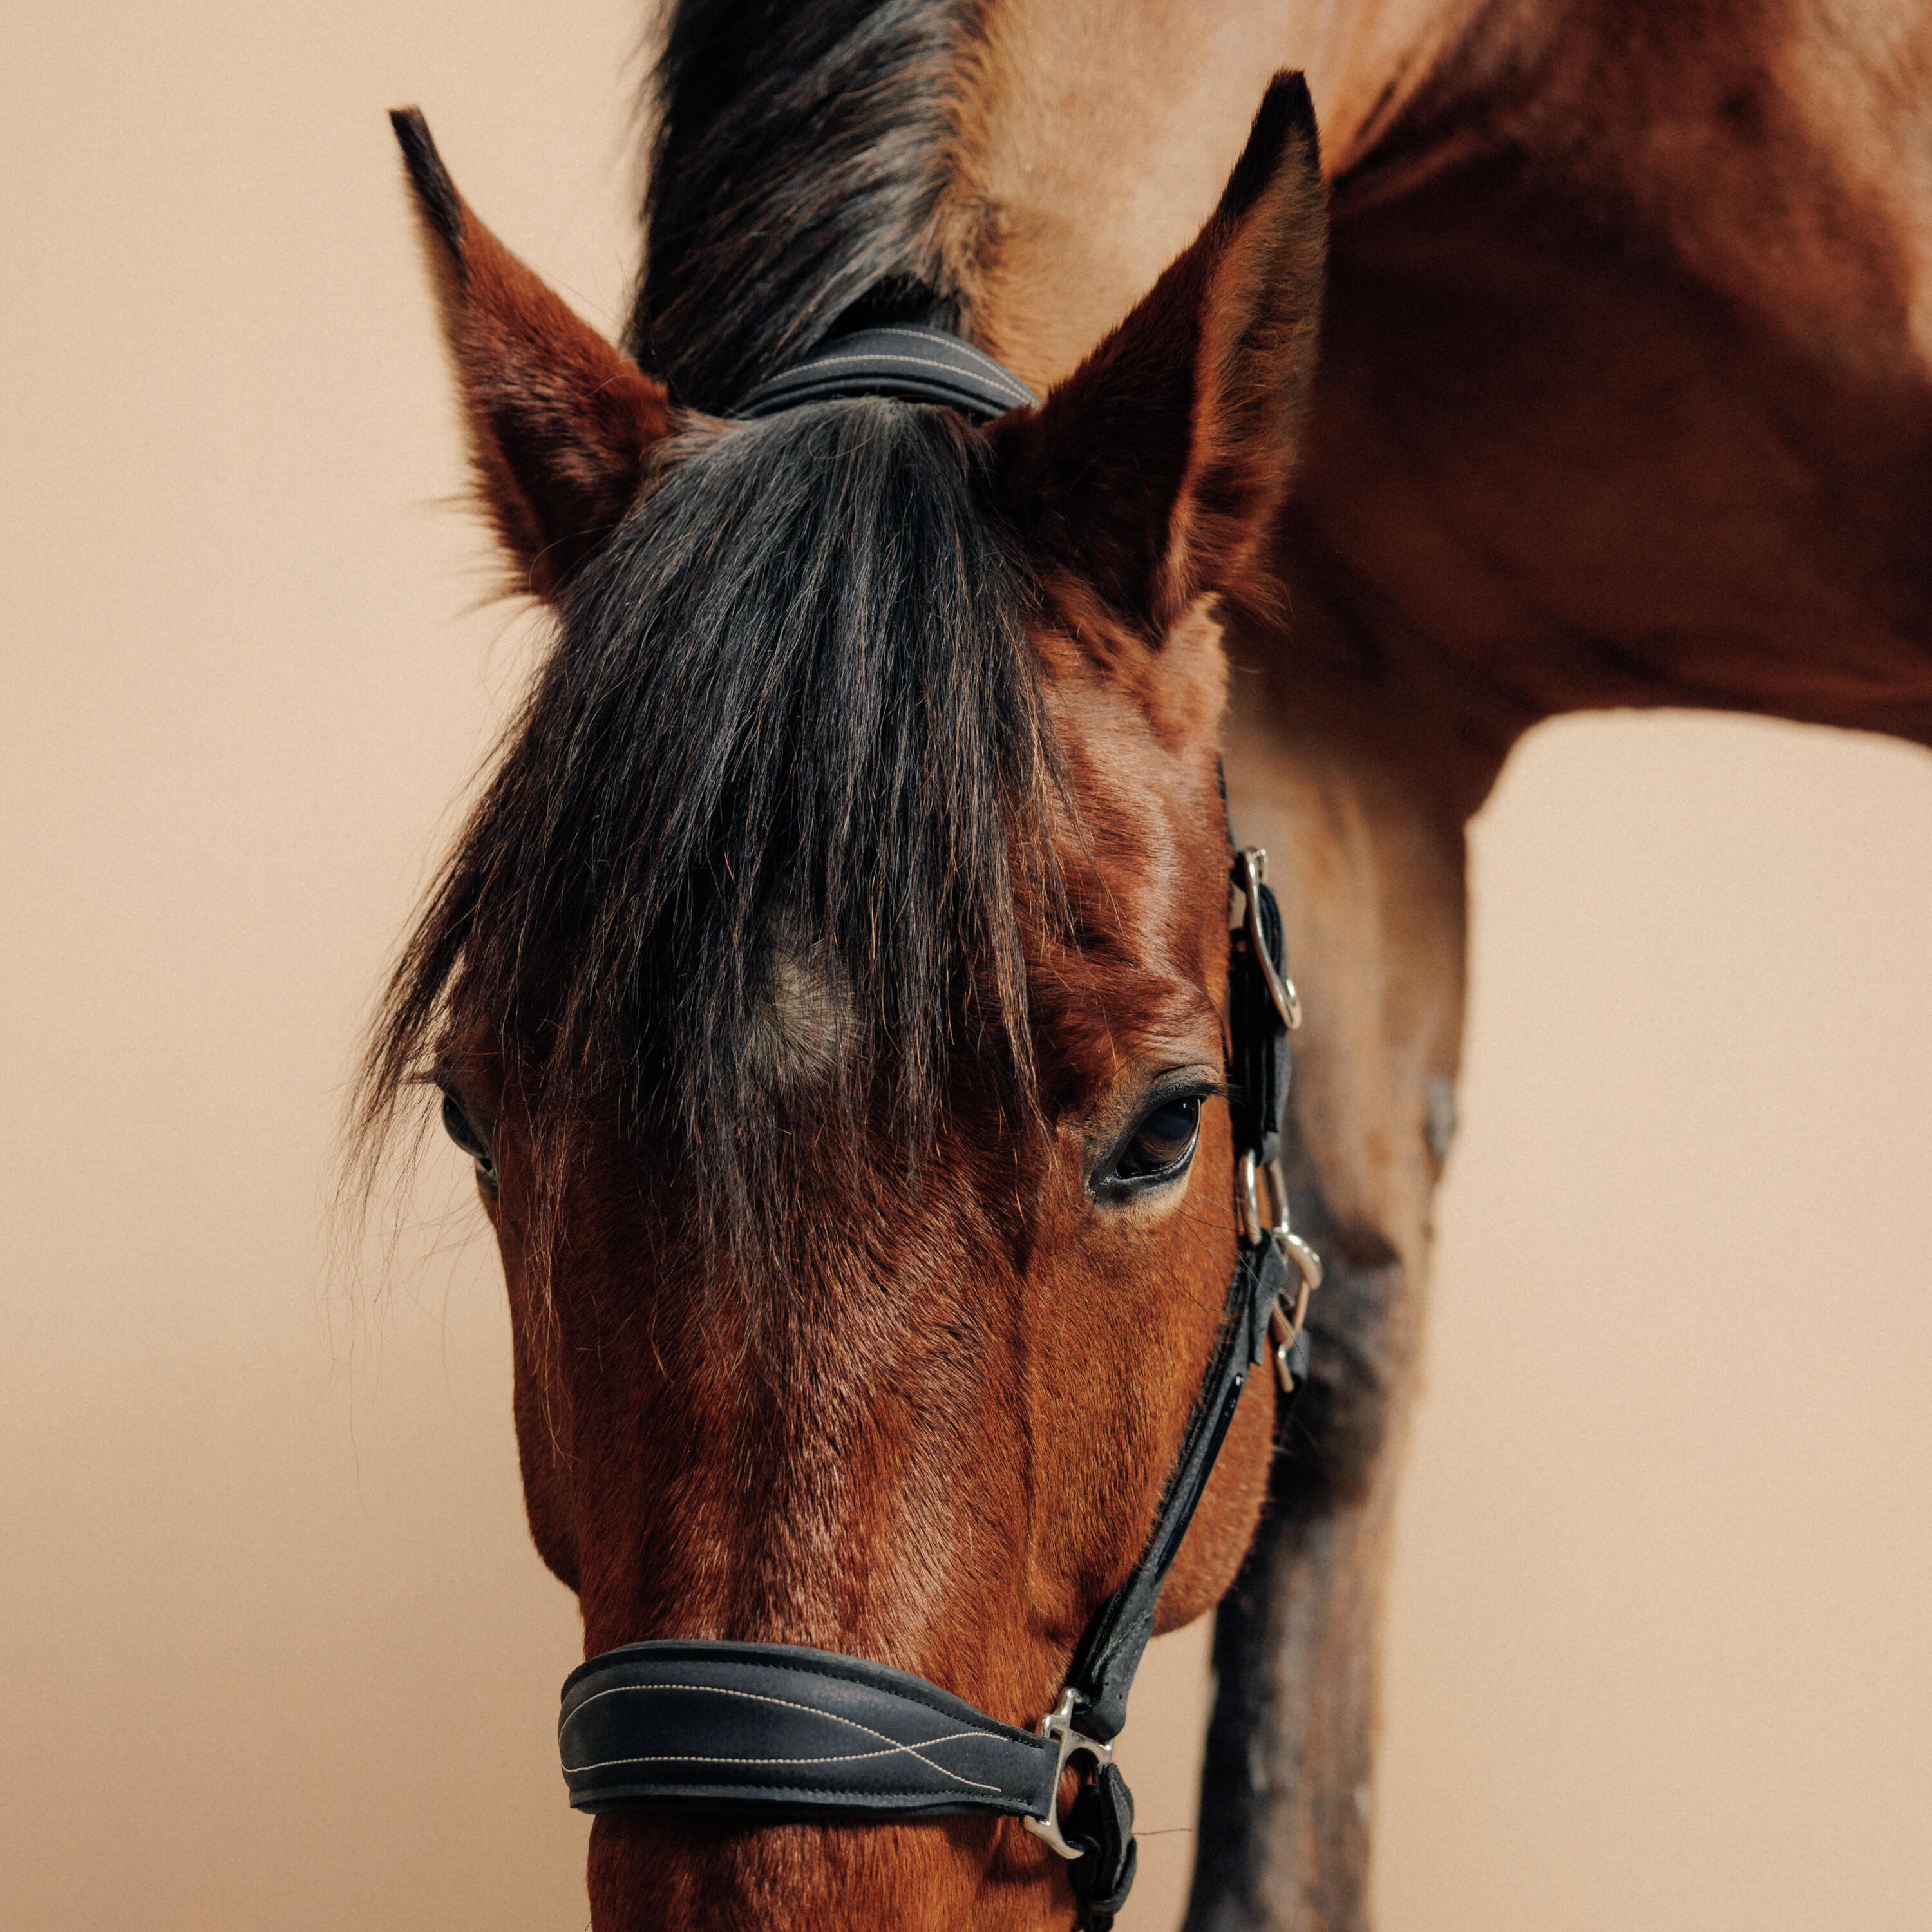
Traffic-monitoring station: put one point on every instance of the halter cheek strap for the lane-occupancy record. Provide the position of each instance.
(778, 1731)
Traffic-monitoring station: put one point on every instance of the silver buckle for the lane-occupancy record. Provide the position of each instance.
(1252, 865)
(1058, 1725)
(1284, 1322)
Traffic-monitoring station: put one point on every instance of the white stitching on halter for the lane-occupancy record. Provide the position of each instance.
(807, 369)
(896, 1749)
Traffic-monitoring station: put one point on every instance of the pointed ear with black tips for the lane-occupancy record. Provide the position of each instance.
(1153, 471)
(561, 423)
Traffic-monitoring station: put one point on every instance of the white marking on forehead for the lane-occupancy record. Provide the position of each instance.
(803, 1030)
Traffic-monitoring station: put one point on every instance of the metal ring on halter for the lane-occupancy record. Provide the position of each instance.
(1284, 1323)
(1247, 1201)
(1255, 1230)
(1286, 1001)
(1059, 1726)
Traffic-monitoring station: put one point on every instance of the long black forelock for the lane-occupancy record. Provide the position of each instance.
(793, 705)
(793, 708)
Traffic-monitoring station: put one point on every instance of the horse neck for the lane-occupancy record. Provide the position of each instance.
(1020, 169)
(1094, 137)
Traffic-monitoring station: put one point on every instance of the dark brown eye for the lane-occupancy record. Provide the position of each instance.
(1163, 1141)
(456, 1123)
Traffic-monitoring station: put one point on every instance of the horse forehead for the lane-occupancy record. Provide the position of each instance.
(1146, 871)
(804, 1028)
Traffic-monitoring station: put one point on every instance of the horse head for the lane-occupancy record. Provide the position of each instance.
(831, 991)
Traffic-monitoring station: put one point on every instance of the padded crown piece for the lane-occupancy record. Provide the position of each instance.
(914, 363)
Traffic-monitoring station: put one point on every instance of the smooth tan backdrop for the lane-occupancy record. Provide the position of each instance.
(274, 1652)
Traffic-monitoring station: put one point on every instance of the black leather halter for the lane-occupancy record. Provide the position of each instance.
(915, 364)
(777, 1731)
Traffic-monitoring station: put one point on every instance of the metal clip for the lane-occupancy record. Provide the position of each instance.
(1284, 1320)
(1284, 1323)
(1247, 1201)
(1059, 1726)
(1251, 870)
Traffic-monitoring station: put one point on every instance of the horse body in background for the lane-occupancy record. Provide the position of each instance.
(830, 985)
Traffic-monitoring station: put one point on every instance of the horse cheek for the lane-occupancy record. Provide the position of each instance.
(1216, 1543)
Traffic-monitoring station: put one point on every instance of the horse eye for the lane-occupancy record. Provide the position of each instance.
(456, 1125)
(1163, 1141)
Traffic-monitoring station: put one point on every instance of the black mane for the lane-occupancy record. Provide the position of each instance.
(793, 713)
(801, 153)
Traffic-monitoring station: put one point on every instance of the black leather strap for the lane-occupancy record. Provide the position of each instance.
(1102, 1818)
(779, 1730)
(1258, 1061)
(914, 363)
(1103, 1668)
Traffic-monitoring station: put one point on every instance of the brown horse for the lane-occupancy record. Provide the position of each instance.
(830, 988)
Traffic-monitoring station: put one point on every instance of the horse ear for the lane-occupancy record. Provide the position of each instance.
(1153, 470)
(561, 423)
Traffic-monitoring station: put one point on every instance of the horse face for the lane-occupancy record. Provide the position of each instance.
(866, 1212)
(935, 1433)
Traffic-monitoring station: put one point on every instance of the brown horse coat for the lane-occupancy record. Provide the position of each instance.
(1622, 398)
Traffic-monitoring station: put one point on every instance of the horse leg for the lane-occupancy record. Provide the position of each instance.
(1363, 827)
(1286, 1802)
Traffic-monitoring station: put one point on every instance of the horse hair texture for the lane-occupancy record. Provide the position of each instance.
(801, 153)
(792, 710)
(792, 713)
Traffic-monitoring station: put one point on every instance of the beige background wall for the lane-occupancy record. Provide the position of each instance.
(274, 1652)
